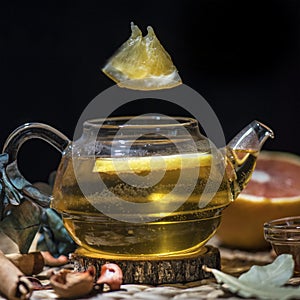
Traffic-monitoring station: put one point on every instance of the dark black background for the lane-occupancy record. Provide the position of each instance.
(243, 57)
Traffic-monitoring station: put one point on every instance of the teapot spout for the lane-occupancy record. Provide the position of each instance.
(242, 152)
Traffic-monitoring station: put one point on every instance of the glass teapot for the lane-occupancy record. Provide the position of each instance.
(143, 186)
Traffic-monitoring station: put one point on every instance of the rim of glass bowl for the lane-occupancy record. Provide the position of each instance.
(284, 230)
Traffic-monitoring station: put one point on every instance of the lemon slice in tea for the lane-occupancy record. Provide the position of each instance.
(142, 63)
(151, 163)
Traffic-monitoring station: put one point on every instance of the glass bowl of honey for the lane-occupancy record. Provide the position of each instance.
(284, 236)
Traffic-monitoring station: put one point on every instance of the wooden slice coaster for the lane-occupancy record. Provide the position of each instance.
(156, 271)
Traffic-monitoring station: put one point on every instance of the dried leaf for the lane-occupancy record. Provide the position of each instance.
(276, 273)
(262, 282)
(70, 284)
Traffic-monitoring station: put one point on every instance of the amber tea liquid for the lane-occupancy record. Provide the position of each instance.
(179, 233)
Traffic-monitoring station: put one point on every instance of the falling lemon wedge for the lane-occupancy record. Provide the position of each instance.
(142, 63)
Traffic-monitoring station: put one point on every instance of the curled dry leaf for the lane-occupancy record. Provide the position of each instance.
(37, 284)
(23, 290)
(28, 263)
(52, 261)
(70, 284)
(13, 284)
(112, 275)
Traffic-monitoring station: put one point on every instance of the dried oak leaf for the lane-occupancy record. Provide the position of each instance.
(70, 284)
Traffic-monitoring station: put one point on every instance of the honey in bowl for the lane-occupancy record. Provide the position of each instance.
(284, 236)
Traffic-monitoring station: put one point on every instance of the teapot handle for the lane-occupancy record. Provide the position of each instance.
(12, 146)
